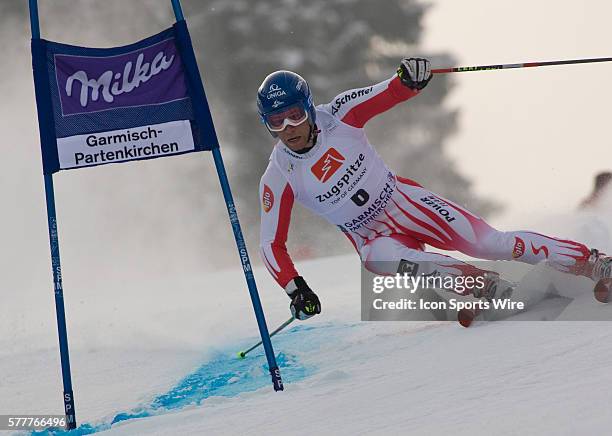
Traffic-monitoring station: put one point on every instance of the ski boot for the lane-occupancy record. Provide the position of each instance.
(599, 268)
(495, 287)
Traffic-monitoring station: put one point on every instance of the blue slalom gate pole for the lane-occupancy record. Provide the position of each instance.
(242, 251)
(178, 11)
(248, 272)
(56, 268)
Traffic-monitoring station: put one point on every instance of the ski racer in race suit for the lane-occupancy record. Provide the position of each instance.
(323, 160)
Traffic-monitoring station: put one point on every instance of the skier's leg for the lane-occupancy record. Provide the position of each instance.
(443, 224)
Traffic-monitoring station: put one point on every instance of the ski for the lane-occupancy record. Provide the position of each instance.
(602, 290)
(466, 317)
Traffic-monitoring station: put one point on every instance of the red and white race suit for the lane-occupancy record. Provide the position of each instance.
(385, 216)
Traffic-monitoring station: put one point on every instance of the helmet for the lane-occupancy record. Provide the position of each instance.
(280, 90)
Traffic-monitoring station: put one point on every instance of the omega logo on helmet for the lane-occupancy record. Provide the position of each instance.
(275, 91)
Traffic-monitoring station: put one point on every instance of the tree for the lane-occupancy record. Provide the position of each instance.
(336, 46)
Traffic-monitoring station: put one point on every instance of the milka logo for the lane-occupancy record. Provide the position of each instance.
(111, 84)
(275, 91)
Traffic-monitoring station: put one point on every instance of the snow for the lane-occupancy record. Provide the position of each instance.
(159, 358)
(427, 380)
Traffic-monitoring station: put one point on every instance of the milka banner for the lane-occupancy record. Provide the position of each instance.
(101, 106)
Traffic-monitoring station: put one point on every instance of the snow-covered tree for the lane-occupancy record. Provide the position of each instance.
(335, 45)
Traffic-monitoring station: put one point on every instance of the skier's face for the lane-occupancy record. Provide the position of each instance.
(296, 137)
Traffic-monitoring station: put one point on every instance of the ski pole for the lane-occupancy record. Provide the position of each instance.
(242, 354)
(523, 65)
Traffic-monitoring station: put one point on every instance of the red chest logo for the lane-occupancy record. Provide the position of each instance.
(327, 165)
(267, 199)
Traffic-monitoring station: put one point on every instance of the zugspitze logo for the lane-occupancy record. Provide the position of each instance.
(148, 76)
(327, 165)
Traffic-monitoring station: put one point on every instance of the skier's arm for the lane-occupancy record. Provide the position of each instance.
(357, 106)
(276, 198)
(276, 203)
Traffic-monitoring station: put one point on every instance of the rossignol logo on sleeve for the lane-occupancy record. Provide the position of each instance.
(327, 165)
(267, 199)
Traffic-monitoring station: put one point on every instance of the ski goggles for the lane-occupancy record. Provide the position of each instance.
(292, 115)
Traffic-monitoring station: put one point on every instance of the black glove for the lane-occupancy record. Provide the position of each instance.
(304, 302)
(415, 73)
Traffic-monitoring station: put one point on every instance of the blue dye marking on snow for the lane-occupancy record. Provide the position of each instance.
(226, 376)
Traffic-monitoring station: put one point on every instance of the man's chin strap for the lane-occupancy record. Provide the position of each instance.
(312, 136)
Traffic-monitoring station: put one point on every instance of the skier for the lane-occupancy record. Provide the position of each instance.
(600, 186)
(323, 160)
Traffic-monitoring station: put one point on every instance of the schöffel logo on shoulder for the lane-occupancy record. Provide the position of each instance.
(327, 165)
(147, 76)
(275, 91)
(348, 96)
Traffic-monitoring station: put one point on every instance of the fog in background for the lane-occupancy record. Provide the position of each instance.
(166, 216)
(531, 138)
(114, 222)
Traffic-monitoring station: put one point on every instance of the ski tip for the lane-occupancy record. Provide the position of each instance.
(241, 354)
(465, 317)
(602, 290)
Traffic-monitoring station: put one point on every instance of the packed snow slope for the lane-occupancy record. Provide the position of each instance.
(159, 358)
